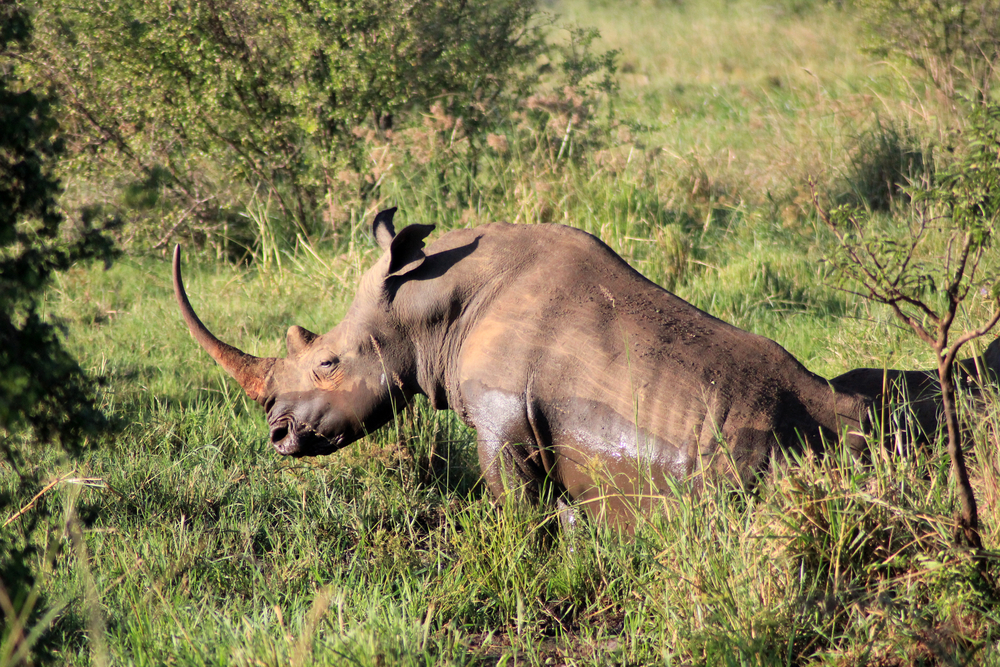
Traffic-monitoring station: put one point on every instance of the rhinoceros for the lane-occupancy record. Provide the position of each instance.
(581, 377)
(912, 399)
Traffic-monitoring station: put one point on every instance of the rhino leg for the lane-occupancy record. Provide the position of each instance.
(508, 448)
(514, 447)
(510, 468)
(568, 515)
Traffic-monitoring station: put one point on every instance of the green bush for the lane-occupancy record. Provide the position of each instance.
(45, 397)
(885, 159)
(185, 109)
(926, 268)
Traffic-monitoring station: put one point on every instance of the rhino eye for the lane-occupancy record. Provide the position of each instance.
(329, 363)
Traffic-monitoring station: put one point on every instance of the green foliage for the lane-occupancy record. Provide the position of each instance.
(186, 109)
(44, 395)
(41, 386)
(579, 61)
(969, 188)
(955, 42)
(933, 249)
(926, 270)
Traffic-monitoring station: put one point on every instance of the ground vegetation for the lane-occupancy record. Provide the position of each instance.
(685, 135)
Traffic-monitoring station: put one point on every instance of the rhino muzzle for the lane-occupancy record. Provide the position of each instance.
(309, 424)
(291, 438)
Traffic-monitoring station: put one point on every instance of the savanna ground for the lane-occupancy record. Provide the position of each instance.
(186, 540)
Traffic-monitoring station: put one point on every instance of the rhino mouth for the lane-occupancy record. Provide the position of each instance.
(291, 438)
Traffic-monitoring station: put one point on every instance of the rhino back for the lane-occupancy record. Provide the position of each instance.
(609, 365)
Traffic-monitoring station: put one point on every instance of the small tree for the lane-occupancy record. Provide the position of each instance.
(925, 268)
(44, 395)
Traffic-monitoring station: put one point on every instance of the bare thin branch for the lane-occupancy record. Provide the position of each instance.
(976, 333)
(960, 269)
(917, 327)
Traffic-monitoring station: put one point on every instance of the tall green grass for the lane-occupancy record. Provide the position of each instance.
(204, 547)
(187, 540)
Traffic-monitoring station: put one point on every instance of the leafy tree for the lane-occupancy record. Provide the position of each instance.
(44, 395)
(203, 103)
(925, 267)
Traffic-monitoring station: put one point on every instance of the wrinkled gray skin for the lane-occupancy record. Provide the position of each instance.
(577, 373)
(909, 402)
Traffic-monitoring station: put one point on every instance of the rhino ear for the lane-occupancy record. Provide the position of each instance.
(382, 228)
(406, 249)
(298, 339)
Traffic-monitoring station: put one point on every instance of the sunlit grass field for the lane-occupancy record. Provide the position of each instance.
(186, 540)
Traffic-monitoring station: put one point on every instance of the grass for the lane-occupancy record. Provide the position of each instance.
(201, 546)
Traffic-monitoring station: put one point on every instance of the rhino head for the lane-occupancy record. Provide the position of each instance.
(331, 389)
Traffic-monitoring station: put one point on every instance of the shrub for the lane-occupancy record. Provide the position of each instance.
(44, 395)
(926, 267)
(187, 108)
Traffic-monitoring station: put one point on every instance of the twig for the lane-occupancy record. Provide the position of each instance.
(38, 495)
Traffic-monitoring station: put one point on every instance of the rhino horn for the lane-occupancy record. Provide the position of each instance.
(251, 372)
